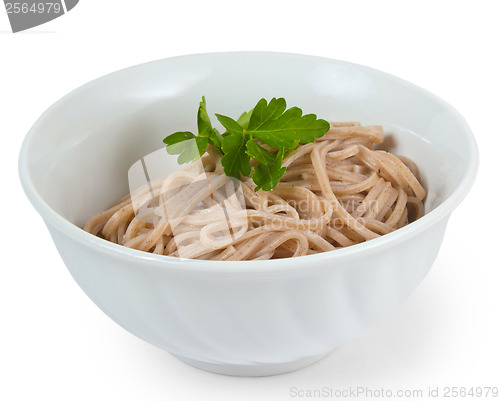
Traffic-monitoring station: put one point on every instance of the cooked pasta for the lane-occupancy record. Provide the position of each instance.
(336, 192)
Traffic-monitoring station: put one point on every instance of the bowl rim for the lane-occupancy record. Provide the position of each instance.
(439, 213)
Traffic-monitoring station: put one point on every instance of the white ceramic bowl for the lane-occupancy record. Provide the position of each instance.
(239, 318)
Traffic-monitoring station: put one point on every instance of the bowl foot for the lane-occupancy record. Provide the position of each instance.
(264, 369)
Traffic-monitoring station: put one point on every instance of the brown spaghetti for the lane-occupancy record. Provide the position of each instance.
(337, 191)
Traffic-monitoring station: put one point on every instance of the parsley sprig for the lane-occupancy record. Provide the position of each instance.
(269, 123)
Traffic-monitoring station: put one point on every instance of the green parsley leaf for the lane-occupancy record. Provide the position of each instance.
(280, 128)
(244, 119)
(271, 123)
(190, 147)
(232, 126)
(257, 152)
(291, 149)
(267, 176)
(235, 160)
(205, 128)
(263, 111)
(186, 145)
(178, 137)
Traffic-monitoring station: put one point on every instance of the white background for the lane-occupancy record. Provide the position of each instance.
(56, 344)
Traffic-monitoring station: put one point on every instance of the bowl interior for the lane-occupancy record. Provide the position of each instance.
(78, 153)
